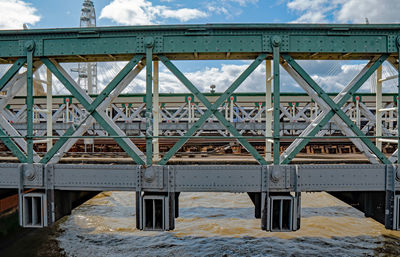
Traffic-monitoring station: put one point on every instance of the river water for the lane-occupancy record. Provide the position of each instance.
(223, 224)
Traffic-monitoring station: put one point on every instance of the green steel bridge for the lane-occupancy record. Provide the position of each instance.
(48, 189)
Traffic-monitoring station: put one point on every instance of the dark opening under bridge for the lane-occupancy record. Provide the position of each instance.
(274, 184)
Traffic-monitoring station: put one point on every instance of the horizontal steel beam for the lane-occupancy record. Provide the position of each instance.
(202, 178)
(210, 41)
(134, 126)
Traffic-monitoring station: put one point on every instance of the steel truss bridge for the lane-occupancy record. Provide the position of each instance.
(38, 133)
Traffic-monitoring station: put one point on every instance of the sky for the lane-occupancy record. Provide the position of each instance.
(332, 75)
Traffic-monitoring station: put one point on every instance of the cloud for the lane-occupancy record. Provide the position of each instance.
(345, 11)
(314, 11)
(14, 13)
(242, 2)
(143, 12)
(229, 8)
(332, 76)
(183, 14)
(382, 11)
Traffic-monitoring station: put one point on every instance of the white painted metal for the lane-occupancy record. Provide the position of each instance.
(101, 110)
(325, 108)
(269, 109)
(49, 105)
(378, 103)
(388, 78)
(156, 113)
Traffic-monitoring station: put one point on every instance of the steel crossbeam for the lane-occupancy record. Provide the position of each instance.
(91, 107)
(335, 106)
(11, 72)
(91, 120)
(14, 85)
(212, 108)
(356, 141)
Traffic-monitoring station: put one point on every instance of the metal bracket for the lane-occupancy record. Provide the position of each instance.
(152, 177)
(32, 174)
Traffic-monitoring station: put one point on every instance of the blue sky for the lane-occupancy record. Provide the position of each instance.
(64, 13)
(60, 13)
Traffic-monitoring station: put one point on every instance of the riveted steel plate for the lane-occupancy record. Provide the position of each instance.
(117, 177)
(366, 177)
(217, 178)
(9, 175)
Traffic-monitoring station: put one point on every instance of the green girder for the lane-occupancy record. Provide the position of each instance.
(149, 106)
(212, 108)
(91, 107)
(29, 106)
(3, 82)
(336, 108)
(215, 40)
(276, 99)
(11, 72)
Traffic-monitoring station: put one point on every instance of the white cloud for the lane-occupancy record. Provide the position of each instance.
(143, 12)
(183, 14)
(344, 11)
(14, 13)
(332, 76)
(377, 11)
(242, 2)
(314, 11)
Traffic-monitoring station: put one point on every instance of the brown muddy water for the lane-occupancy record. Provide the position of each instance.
(222, 224)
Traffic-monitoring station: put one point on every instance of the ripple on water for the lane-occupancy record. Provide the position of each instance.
(222, 224)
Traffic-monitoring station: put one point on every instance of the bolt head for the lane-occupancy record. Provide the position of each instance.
(149, 42)
(30, 174)
(30, 45)
(149, 174)
(398, 41)
(276, 40)
(275, 175)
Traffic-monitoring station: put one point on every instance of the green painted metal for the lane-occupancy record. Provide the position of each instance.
(190, 42)
(398, 104)
(114, 83)
(276, 99)
(68, 44)
(98, 100)
(29, 105)
(149, 101)
(336, 108)
(91, 108)
(60, 142)
(11, 72)
(13, 147)
(211, 109)
(4, 137)
(236, 95)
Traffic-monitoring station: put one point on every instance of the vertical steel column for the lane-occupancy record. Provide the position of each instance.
(49, 105)
(156, 112)
(149, 43)
(29, 46)
(378, 113)
(358, 122)
(268, 111)
(276, 41)
(398, 101)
